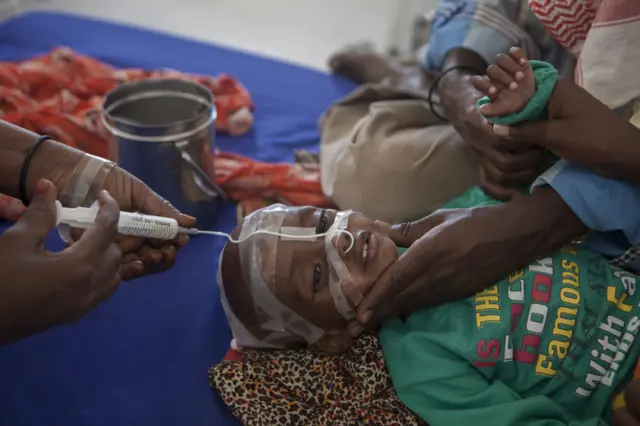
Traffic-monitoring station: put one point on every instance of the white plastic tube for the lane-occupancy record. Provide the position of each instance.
(134, 224)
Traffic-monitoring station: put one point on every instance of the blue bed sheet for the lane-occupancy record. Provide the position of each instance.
(142, 357)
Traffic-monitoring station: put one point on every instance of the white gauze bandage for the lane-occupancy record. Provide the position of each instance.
(83, 187)
(258, 243)
(242, 338)
(258, 263)
(341, 285)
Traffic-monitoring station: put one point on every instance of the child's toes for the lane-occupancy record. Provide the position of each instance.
(482, 84)
(498, 75)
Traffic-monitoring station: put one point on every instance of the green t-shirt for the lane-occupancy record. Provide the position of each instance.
(551, 344)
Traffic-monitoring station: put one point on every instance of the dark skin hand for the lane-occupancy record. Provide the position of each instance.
(629, 415)
(453, 254)
(585, 131)
(42, 289)
(503, 165)
(57, 162)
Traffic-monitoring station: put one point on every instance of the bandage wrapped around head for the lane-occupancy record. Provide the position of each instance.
(261, 233)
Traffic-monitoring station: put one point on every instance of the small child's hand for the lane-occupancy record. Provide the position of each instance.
(509, 84)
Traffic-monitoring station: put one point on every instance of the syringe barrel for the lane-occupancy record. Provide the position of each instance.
(139, 225)
(134, 224)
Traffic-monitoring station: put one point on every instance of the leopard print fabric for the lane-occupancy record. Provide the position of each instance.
(297, 387)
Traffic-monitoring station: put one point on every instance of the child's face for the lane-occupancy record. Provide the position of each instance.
(303, 270)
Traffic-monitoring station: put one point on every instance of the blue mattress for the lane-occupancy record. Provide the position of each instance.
(142, 357)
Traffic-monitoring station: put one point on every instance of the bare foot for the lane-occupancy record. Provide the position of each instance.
(364, 66)
(509, 84)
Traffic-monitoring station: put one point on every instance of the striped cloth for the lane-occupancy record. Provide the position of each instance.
(490, 27)
(605, 36)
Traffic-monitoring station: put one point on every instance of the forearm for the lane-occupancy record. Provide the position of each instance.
(523, 230)
(616, 151)
(51, 161)
(531, 227)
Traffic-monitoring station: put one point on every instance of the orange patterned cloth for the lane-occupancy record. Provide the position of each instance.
(60, 94)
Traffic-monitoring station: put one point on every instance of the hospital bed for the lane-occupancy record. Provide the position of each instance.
(142, 357)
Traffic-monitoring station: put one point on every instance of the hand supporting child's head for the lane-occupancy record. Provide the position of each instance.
(509, 84)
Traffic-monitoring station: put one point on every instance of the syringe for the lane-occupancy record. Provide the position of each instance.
(134, 224)
(161, 228)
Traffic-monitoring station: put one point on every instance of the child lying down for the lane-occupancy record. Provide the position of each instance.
(553, 343)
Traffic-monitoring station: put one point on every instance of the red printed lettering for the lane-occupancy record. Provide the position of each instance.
(488, 350)
(541, 291)
(516, 313)
(528, 349)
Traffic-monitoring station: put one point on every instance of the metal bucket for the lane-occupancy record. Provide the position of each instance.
(164, 130)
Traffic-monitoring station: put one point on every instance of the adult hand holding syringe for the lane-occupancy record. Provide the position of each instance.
(164, 228)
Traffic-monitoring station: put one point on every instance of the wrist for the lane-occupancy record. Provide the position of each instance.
(459, 98)
(54, 162)
(540, 224)
(456, 93)
(464, 58)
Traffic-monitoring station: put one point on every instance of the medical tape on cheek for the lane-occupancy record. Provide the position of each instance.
(340, 278)
(258, 261)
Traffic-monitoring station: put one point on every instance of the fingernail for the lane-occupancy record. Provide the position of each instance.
(366, 317)
(492, 90)
(519, 75)
(523, 61)
(187, 217)
(513, 85)
(139, 266)
(501, 130)
(42, 186)
(182, 240)
(169, 252)
(357, 330)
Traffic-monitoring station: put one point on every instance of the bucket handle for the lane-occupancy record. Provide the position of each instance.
(201, 175)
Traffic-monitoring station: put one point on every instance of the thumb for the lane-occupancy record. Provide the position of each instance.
(409, 266)
(40, 217)
(546, 134)
(402, 235)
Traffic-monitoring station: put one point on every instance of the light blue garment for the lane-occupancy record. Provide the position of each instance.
(610, 206)
(490, 27)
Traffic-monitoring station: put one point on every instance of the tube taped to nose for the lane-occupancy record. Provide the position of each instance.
(340, 279)
(258, 263)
